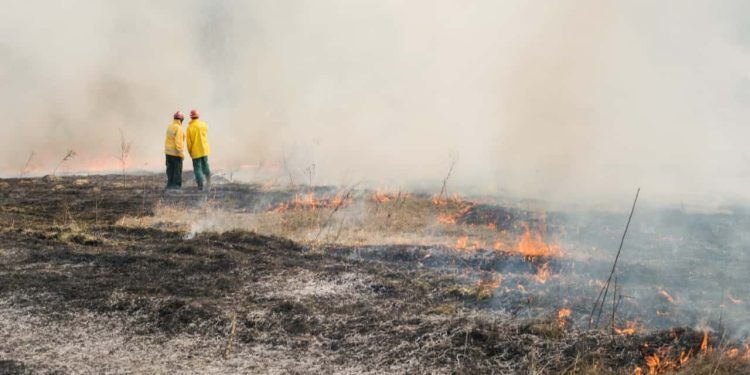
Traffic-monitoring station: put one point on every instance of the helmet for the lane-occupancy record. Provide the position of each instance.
(179, 116)
(194, 113)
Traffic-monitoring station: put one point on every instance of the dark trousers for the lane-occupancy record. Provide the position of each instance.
(174, 172)
(201, 170)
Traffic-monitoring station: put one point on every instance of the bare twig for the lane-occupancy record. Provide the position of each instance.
(452, 163)
(339, 204)
(124, 151)
(69, 155)
(599, 302)
(288, 171)
(27, 166)
(310, 171)
(614, 306)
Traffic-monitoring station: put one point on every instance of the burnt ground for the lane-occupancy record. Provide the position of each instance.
(80, 293)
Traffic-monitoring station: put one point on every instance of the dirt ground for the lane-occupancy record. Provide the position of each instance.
(91, 282)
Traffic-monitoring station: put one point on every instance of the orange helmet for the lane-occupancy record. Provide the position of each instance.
(179, 116)
(194, 113)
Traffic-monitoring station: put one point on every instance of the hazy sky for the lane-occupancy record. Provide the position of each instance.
(564, 99)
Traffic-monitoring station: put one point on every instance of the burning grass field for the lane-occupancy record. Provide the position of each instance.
(109, 274)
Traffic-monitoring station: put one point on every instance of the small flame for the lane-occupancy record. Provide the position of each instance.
(533, 246)
(652, 361)
(629, 329)
(490, 284)
(704, 342)
(381, 197)
(310, 202)
(562, 317)
(666, 296)
(733, 300)
(446, 219)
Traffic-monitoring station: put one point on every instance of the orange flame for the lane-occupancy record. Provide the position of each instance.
(310, 202)
(446, 219)
(704, 342)
(630, 329)
(666, 296)
(533, 246)
(490, 284)
(380, 197)
(652, 361)
(562, 316)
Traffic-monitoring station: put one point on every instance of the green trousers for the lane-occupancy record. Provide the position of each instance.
(174, 172)
(201, 170)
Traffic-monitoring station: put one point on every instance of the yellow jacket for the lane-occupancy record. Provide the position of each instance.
(197, 139)
(173, 145)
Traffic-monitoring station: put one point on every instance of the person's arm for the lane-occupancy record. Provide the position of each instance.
(179, 139)
(189, 141)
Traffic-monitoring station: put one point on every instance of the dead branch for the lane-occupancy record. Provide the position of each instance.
(288, 171)
(26, 167)
(69, 155)
(124, 150)
(599, 302)
(310, 171)
(452, 163)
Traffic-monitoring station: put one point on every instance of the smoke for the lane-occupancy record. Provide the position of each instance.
(561, 100)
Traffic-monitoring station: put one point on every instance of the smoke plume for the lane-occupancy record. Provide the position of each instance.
(561, 100)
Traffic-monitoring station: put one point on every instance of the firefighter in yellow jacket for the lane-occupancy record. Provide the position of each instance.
(197, 145)
(173, 148)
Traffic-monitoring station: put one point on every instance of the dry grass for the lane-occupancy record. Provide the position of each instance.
(400, 220)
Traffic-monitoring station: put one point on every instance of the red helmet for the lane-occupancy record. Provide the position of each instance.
(179, 116)
(194, 113)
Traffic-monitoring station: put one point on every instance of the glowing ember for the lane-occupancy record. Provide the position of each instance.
(684, 358)
(666, 296)
(462, 243)
(446, 219)
(562, 316)
(380, 197)
(652, 361)
(629, 329)
(439, 201)
(310, 202)
(732, 353)
(490, 283)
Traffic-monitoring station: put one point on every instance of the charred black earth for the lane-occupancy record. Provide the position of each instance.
(82, 293)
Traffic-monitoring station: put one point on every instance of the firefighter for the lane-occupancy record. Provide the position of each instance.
(197, 145)
(173, 148)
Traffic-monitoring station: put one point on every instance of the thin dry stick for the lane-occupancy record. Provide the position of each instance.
(124, 151)
(614, 306)
(27, 165)
(603, 293)
(288, 171)
(71, 154)
(453, 159)
(339, 204)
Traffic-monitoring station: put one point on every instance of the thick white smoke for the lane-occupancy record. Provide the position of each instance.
(553, 99)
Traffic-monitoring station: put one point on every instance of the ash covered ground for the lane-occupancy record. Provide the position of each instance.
(109, 274)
